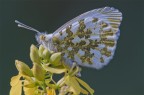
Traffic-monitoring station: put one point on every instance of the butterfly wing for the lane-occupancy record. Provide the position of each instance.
(90, 39)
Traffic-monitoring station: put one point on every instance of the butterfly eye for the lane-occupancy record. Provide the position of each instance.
(42, 37)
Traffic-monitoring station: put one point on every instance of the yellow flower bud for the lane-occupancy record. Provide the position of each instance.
(40, 51)
(55, 59)
(39, 72)
(51, 52)
(34, 54)
(46, 54)
(23, 68)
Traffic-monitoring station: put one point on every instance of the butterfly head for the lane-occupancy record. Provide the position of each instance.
(43, 38)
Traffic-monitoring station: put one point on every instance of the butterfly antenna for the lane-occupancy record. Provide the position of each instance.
(25, 26)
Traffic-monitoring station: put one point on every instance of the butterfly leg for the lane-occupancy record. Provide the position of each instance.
(73, 68)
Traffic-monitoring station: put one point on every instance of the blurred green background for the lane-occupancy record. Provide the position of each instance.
(125, 73)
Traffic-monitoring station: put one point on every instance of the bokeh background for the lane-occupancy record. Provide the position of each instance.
(125, 73)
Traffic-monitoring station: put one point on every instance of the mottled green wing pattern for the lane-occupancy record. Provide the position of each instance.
(90, 39)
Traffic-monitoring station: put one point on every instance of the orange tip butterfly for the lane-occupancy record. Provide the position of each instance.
(89, 39)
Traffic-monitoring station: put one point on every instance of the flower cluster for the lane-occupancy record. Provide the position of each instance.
(38, 80)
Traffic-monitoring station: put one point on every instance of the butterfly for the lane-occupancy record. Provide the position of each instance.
(90, 39)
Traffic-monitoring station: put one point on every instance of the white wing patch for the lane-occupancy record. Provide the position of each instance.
(76, 40)
(90, 39)
(81, 53)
